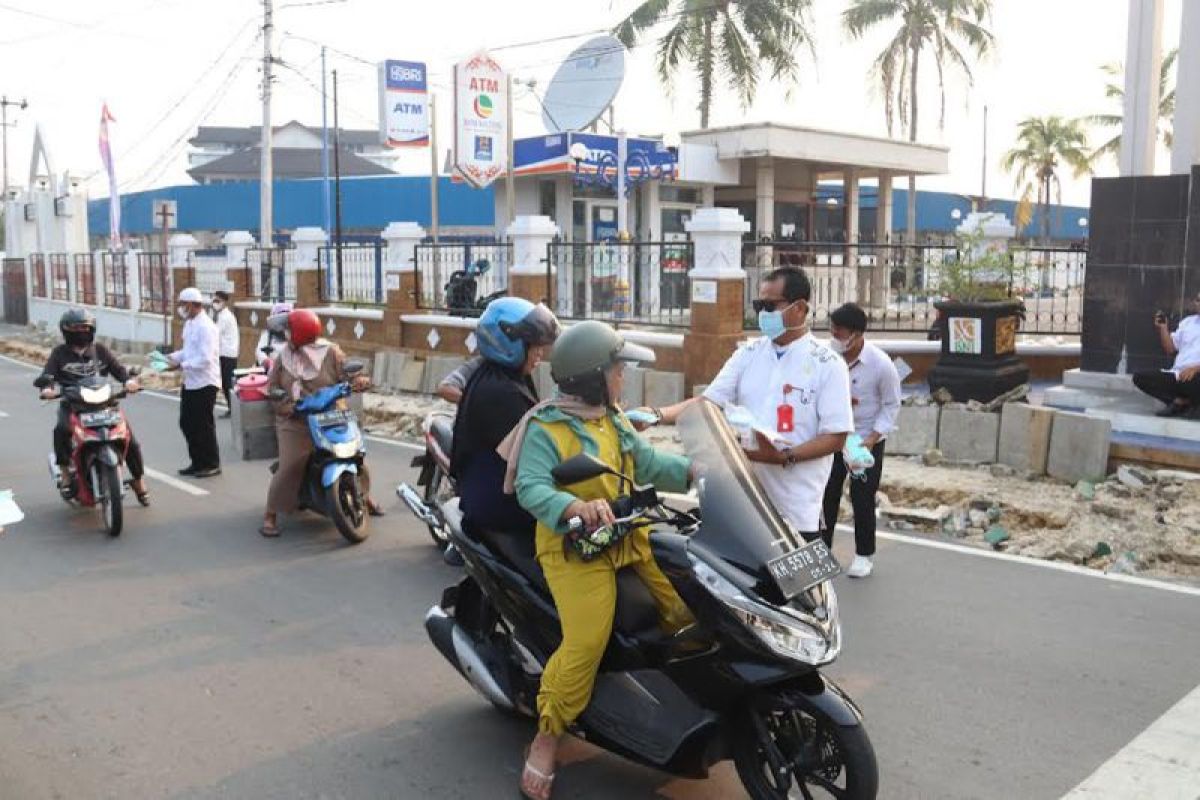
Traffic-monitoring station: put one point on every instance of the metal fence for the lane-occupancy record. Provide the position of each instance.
(899, 284)
(60, 276)
(638, 282)
(37, 272)
(209, 271)
(115, 268)
(85, 279)
(485, 262)
(351, 273)
(154, 277)
(267, 275)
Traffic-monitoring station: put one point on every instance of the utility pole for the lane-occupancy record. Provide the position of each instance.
(266, 206)
(434, 169)
(4, 126)
(337, 184)
(983, 183)
(324, 148)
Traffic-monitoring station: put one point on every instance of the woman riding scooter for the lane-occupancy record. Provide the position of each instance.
(305, 364)
(588, 364)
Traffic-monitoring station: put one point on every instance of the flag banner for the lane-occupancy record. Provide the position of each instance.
(114, 197)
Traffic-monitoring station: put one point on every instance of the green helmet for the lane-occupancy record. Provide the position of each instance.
(584, 352)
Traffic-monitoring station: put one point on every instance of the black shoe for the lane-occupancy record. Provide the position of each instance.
(452, 557)
(1173, 410)
(190, 470)
(207, 472)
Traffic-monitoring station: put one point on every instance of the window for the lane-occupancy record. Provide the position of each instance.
(679, 194)
(547, 198)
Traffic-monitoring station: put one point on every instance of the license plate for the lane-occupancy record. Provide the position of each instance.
(803, 568)
(331, 418)
(99, 419)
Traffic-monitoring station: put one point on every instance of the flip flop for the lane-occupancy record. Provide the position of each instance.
(269, 531)
(537, 775)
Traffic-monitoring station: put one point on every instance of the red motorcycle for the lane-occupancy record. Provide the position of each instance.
(99, 443)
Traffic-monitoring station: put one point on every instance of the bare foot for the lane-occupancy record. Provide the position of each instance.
(537, 778)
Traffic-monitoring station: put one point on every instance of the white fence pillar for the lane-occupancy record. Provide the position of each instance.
(401, 240)
(179, 249)
(236, 244)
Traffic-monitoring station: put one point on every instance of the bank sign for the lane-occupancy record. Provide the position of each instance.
(646, 159)
(480, 120)
(403, 104)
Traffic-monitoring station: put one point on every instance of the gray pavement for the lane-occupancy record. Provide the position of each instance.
(190, 658)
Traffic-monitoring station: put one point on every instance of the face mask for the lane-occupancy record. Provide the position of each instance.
(771, 323)
(182, 312)
(841, 346)
(79, 338)
(217, 306)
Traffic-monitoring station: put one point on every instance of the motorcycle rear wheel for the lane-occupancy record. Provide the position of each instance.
(348, 508)
(106, 488)
(820, 757)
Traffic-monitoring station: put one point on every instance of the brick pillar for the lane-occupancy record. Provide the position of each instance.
(530, 276)
(718, 293)
(181, 279)
(238, 281)
(308, 290)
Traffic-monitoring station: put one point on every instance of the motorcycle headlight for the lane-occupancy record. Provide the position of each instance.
(784, 633)
(96, 396)
(345, 449)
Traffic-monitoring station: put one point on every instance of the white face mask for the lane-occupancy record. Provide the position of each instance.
(217, 305)
(841, 346)
(183, 312)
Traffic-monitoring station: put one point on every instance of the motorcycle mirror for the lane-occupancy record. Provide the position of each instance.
(353, 367)
(580, 468)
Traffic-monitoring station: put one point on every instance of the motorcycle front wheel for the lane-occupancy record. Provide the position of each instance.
(106, 488)
(785, 749)
(348, 507)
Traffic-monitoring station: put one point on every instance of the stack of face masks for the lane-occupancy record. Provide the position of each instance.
(157, 362)
(857, 457)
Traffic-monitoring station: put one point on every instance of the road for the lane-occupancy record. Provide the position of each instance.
(190, 658)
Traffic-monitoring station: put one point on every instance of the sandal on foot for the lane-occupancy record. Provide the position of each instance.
(537, 775)
(269, 531)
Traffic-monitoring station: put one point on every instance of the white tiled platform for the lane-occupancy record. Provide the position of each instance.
(1114, 397)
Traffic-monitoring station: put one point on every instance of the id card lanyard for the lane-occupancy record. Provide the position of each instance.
(785, 421)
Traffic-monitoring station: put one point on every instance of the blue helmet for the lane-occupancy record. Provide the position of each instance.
(510, 325)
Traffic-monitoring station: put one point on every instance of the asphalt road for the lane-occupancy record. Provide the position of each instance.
(190, 658)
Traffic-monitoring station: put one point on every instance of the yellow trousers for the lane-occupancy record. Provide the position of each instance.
(585, 594)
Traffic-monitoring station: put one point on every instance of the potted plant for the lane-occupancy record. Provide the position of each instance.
(980, 314)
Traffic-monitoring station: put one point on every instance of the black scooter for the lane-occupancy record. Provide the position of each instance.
(743, 682)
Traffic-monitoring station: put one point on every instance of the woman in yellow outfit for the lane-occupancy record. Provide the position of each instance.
(588, 364)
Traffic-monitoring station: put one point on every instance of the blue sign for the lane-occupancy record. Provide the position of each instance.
(484, 148)
(404, 104)
(647, 159)
(406, 76)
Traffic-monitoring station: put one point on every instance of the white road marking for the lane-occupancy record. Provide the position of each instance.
(395, 443)
(182, 486)
(1162, 761)
(18, 362)
(3, 414)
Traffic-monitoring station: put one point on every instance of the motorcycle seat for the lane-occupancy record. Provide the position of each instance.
(442, 430)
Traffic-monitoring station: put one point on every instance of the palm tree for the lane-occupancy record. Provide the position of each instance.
(1114, 89)
(727, 39)
(942, 28)
(1043, 144)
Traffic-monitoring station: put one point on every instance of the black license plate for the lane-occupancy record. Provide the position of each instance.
(803, 568)
(99, 419)
(331, 418)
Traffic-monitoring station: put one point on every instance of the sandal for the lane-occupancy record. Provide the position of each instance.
(269, 531)
(529, 772)
(143, 496)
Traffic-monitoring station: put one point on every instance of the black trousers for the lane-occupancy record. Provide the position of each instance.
(62, 444)
(228, 365)
(1167, 388)
(862, 500)
(198, 426)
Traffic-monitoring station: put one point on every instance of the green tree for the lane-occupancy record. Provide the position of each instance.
(1043, 145)
(727, 40)
(1114, 89)
(948, 30)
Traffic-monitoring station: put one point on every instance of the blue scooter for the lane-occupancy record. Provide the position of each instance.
(332, 483)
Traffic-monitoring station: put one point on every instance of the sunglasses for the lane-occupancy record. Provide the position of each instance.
(771, 305)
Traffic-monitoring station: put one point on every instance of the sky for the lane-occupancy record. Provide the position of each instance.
(167, 66)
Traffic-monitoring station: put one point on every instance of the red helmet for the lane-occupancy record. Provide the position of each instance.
(304, 325)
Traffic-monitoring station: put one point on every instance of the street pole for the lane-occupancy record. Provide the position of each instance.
(337, 184)
(266, 206)
(434, 170)
(983, 182)
(509, 190)
(621, 302)
(324, 148)
(4, 125)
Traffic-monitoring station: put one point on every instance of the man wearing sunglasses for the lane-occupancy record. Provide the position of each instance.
(1179, 386)
(795, 387)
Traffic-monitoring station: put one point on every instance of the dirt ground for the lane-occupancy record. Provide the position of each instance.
(1147, 524)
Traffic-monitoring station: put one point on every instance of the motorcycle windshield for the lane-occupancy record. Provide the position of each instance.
(738, 521)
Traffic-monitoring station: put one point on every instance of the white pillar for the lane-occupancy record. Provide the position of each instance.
(883, 236)
(708, 195)
(530, 237)
(308, 241)
(1143, 58)
(236, 244)
(1185, 151)
(717, 240)
(179, 249)
(764, 198)
(133, 281)
(400, 245)
(851, 195)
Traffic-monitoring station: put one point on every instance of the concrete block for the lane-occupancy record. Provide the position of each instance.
(1025, 437)
(968, 437)
(543, 381)
(436, 369)
(257, 444)
(412, 376)
(916, 431)
(1078, 447)
(662, 388)
(254, 414)
(635, 387)
(395, 365)
(698, 389)
(379, 369)
(252, 430)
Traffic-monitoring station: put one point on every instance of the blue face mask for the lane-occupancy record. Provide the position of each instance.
(771, 322)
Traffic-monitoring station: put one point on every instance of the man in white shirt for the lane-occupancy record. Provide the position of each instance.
(875, 398)
(796, 387)
(228, 343)
(200, 362)
(1178, 387)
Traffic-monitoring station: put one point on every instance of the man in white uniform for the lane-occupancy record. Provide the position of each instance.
(1178, 387)
(796, 387)
(228, 343)
(200, 363)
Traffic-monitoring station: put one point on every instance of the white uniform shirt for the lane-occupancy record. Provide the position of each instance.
(874, 392)
(198, 358)
(227, 330)
(755, 377)
(1187, 342)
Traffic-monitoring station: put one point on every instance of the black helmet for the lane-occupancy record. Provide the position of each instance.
(584, 353)
(78, 326)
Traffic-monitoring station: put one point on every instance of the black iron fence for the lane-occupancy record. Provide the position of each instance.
(267, 276)
(352, 273)
(60, 276)
(115, 270)
(155, 280)
(37, 274)
(85, 279)
(899, 284)
(460, 276)
(636, 282)
(208, 270)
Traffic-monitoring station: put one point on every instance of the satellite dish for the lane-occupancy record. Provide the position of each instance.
(584, 85)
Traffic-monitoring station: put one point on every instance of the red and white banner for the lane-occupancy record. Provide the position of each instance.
(480, 120)
(114, 196)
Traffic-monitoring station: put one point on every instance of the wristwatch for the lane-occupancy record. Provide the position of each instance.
(658, 415)
(790, 458)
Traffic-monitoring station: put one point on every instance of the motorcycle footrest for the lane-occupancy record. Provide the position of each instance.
(449, 597)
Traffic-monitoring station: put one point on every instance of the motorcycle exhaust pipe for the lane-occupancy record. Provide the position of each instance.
(454, 644)
(416, 505)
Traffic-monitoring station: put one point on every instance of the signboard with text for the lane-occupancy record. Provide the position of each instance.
(480, 120)
(966, 335)
(404, 104)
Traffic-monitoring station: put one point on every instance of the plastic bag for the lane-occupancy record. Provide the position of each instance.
(857, 457)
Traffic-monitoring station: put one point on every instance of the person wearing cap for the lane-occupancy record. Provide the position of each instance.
(199, 360)
(228, 343)
(875, 398)
(588, 364)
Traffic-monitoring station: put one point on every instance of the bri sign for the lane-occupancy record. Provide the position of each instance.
(403, 104)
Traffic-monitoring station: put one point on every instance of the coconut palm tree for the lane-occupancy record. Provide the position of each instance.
(942, 29)
(1044, 144)
(1114, 89)
(727, 40)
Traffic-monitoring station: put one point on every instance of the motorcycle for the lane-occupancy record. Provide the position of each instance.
(743, 682)
(99, 441)
(332, 486)
(434, 479)
(462, 287)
